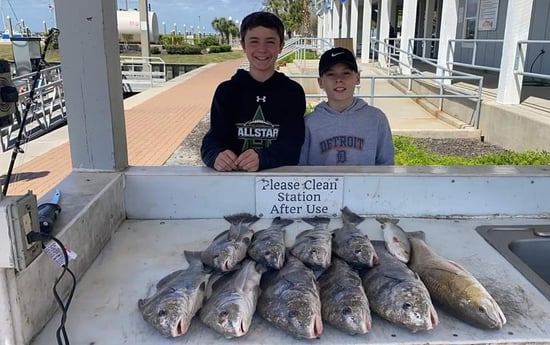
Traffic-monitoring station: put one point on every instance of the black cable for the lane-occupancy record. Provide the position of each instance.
(541, 52)
(34, 236)
(64, 307)
(51, 34)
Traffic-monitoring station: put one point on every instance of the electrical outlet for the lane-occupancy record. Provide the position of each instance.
(18, 217)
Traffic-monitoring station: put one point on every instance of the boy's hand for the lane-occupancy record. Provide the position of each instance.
(248, 161)
(225, 161)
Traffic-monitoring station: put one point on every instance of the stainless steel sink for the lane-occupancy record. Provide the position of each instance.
(527, 247)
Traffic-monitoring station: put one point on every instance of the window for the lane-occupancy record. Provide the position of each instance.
(470, 20)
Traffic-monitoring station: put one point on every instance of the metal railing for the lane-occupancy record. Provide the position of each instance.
(428, 46)
(371, 95)
(141, 73)
(442, 82)
(520, 60)
(47, 110)
(520, 56)
(451, 49)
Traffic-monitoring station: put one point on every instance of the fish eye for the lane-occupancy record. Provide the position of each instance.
(406, 305)
(291, 314)
(224, 313)
(346, 311)
(482, 309)
(162, 313)
(357, 251)
(313, 251)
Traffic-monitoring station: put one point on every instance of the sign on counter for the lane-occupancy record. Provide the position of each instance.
(299, 196)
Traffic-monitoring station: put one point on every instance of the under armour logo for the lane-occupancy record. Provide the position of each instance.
(263, 99)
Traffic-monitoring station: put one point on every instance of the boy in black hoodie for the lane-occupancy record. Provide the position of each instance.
(257, 117)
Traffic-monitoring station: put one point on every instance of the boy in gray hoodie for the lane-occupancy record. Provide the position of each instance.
(345, 130)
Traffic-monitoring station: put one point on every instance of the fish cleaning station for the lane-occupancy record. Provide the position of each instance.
(126, 227)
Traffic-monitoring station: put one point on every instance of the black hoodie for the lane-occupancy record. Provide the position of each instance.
(267, 117)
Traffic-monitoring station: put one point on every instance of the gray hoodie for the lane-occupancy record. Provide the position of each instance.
(359, 135)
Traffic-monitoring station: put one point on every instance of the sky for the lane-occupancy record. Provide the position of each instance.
(35, 12)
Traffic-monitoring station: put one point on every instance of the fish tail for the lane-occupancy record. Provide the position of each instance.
(239, 218)
(351, 218)
(315, 221)
(281, 222)
(383, 220)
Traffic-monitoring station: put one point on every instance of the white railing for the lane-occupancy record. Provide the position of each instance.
(520, 61)
(372, 95)
(141, 73)
(428, 46)
(471, 43)
(520, 57)
(46, 112)
(301, 45)
(442, 82)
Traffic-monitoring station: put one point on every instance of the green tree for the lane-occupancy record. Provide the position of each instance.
(294, 14)
(226, 28)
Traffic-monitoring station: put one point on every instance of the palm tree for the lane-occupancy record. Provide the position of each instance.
(226, 28)
(294, 14)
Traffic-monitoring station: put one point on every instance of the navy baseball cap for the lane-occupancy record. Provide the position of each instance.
(337, 55)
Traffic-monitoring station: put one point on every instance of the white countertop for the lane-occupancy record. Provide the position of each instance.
(104, 308)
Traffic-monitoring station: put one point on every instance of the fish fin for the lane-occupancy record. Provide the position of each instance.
(261, 268)
(202, 286)
(233, 232)
(142, 302)
(167, 279)
(457, 265)
(383, 220)
(215, 279)
(239, 218)
(394, 276)
(222, 234)
(282, 222)
(318, 272)
(317, 221)
(434, 317)
(193, 257)
(241, 277)
(351, 218)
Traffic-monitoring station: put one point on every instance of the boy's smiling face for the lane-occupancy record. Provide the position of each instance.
(262, 46)
(339, 83)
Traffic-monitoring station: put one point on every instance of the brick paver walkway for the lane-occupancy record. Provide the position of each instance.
(154, 129)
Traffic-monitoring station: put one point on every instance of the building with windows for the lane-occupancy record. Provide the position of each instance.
(510, 37)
